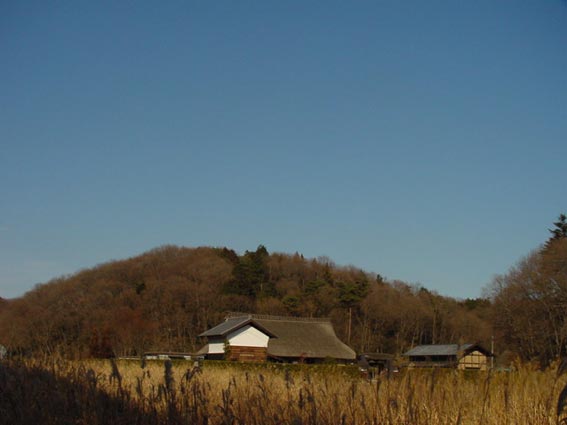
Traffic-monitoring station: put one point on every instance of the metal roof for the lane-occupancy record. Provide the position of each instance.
(234, 323)
(443, 350)
(228, 325)
(377, 356)
(434, 350)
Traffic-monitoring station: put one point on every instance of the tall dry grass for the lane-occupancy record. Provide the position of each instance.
(105, 392)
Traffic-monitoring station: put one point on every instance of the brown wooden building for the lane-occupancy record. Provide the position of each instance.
(463, 357)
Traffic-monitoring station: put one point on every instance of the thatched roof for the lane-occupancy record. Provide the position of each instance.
(291, 336)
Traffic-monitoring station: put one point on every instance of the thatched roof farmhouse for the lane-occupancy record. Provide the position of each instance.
(287, 339)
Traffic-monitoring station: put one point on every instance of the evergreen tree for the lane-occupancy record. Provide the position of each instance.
(250, 275)
(350, 295)
(559, 232)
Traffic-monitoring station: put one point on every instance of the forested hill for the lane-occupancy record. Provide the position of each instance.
(163, 299)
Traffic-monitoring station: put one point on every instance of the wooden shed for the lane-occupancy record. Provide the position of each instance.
(276, 338)
(372, 364)
(463, 357)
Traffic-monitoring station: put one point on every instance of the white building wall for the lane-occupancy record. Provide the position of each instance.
(216, 347)
(248, 336)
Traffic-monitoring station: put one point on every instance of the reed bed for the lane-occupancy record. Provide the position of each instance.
(109, 392)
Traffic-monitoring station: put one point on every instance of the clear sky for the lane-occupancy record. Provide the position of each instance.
(422, 140)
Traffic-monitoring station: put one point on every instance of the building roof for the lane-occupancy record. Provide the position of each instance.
(434, 350)
(203, 350)
(444, 350)
(305, 338)
(291, 336)
(377, 356)
(233, 323)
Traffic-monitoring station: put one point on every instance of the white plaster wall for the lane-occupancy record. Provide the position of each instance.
(248, 336)
(216, 347)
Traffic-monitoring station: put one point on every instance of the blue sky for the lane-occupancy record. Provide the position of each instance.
(425, 141)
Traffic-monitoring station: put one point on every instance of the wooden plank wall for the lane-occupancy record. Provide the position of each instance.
(474, 360)
(248, 354)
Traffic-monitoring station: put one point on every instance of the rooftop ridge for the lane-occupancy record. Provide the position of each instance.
(235, 314)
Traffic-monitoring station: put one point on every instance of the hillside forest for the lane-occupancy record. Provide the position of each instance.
(163, 299)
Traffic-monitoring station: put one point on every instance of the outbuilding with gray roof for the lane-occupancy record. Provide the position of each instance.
(464, 356)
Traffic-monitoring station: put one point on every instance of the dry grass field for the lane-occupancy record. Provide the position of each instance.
(129, 392)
